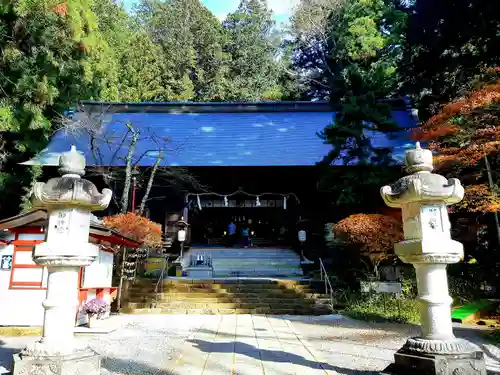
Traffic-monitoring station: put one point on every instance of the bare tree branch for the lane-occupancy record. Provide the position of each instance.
(128, 167)
(158, 160)
(112, 146)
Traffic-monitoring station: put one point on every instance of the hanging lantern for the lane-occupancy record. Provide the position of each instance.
(302, 236)
(226, 202)
(181, 235)
(284, 203)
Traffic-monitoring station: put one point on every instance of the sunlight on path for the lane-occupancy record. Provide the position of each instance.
(247, 345)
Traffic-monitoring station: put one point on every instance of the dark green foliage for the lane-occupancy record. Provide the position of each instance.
(54, 53)
(191, 39)
(383, 308)
(253, 69)
(351, 58)
(447, 44)
(48, 60)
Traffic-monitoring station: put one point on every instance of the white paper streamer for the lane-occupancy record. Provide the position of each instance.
(284, 203)
(226, 203)
(257, 202)
(198, 201)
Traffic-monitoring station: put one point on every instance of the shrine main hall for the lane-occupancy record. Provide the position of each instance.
(251, 161)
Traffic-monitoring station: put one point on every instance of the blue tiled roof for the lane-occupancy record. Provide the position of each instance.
(221, 139)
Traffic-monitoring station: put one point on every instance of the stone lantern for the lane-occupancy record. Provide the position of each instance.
(69, 200)
(423, 198)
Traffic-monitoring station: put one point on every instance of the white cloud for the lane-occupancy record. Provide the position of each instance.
(207, 129)
(283, 130)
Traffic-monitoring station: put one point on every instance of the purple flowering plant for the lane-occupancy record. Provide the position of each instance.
(96, 307)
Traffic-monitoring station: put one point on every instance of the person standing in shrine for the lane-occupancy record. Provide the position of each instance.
(231, 234)
(246, 232)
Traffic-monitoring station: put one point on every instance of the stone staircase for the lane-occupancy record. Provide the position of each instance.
(227, 296)
(253, 262)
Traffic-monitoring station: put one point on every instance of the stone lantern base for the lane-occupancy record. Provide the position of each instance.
(411, 362)
(85, 362)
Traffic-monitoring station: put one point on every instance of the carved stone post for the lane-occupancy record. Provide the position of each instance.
(69, 200)
(423, 197)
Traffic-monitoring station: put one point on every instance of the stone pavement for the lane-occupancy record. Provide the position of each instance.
(248, 345)
(274, 345)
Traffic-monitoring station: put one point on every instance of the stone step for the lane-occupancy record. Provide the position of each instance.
(267, 311)
(221, 305)
(225, 297)
(295, 292)
(229, 296)
(252, 271)
(250, 262)
(206, 299)
(230, 281)
(232, 292)
(251, 252)
(231, 289)
(257, 274)
(222, 288)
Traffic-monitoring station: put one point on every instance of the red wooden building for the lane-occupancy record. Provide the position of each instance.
(23, 283)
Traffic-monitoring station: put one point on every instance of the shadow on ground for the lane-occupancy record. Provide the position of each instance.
(472, 333)
(6, 357)
(266, 355)
(130, 367)
(112, 365)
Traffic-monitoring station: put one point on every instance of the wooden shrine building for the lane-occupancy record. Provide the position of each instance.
(253, 161)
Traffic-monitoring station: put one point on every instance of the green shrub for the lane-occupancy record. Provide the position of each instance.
(171, 270)
(495, 336)
(380, 308)
(462, 290)
(409, 289)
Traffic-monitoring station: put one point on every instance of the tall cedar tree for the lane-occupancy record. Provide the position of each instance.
(51, 55)
(191, 39)
(254, 66)
(348, 52)
(140, 63)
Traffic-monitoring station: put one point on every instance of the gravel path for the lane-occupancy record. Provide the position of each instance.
(248, 345)
(355, 346)
(144, 344)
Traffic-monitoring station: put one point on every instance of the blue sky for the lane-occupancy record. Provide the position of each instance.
(282, 8)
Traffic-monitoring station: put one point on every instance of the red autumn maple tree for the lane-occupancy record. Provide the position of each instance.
(373, 235)
(61, 9)
(136, 227)
(464, 134)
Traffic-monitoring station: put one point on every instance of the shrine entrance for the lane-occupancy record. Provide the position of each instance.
(269, 218)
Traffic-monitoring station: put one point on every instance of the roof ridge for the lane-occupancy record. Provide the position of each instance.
(220, 107)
